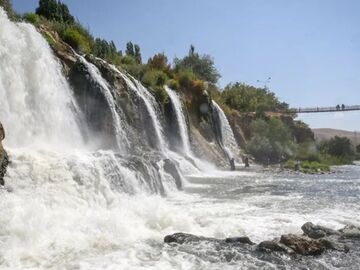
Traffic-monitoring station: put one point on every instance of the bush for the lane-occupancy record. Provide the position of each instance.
(173, 84)
(185, 77)
(154, 78)
(32, 18)
(76, 40)
(160, 94)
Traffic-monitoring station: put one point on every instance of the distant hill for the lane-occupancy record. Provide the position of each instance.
(327, 133)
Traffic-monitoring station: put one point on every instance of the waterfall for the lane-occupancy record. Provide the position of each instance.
(42, 122)
(119, 125)
(36, 103)
(181, 122)
(151, 105)
(227, 135)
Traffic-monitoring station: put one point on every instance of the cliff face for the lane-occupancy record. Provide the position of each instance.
(92, 102)
(4, 160)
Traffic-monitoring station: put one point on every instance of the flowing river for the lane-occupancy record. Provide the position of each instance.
(63, 225)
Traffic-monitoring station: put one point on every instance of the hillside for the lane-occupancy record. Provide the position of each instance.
(327, 133)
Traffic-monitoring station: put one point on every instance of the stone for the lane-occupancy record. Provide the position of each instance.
(242, 240)
(274, 246)
(304, 245)
(317, 231)
(181, 238)
(350, 231)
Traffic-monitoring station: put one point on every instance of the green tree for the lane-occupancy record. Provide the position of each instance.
(246, 98)
(271, 141)
(339, 147)
(137, 54)
(202, 66)
(159, 61)
(130, 49)
(55, 10)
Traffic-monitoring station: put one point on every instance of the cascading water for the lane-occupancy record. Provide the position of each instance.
(227, 135)
(180, 117)
(151, 107)
(119, 125)
(36, 106)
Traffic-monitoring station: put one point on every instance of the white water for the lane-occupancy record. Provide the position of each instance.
(228, 139)
(151, 106)
(69, 209)
(36, 106)
(120, 127)
(180, 117)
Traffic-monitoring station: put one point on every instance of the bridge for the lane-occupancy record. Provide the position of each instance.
(337, 108)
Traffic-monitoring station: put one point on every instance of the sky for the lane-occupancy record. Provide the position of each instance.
(309, 48)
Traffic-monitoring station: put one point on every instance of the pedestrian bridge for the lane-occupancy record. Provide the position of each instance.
(338, 108)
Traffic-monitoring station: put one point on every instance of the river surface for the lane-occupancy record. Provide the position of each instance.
(61, 224)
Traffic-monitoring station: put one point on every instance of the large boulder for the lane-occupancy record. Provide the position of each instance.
(350, 231)
(317, 231)
(304, 245)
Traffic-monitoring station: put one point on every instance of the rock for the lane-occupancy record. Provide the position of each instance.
(303, 245)
(350, 231)
(306, 246)
(242, 240)
(274, 246)
(317, 231)
(171, 168)
(4, 159)
(182, 238)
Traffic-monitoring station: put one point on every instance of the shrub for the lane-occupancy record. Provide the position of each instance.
(185, 77)
(32, 18)
(154, 78)
(160, 94)
(173, 84)
(76, 40)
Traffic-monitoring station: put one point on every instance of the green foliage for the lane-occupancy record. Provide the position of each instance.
(202, 66)
(159, 61)
(246, 98)
(340, 147)
(32, 18)
(55, 10)
(185, 77)
(154, 78)
(173, 84)
(106, 50)
(307, 166)
(76, 40)
(160, 94)
(272, 141)
(133, 50)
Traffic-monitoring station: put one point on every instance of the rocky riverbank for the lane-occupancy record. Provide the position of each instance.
(315, 240)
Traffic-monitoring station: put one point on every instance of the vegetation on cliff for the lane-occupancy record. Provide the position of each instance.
(269, 137)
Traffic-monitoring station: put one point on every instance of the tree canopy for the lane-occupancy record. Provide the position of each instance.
(201, 65)
(55, 10)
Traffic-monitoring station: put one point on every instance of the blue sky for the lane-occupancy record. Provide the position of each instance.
(310, 48)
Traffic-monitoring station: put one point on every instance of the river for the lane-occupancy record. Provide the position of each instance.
(61, 225)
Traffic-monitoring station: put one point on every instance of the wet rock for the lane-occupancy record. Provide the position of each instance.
(274, 246)
(317, 231)
(181, 238)
(4, 159)
(350, 231)
(303, 245)
(242, 240)
(306, 246)
(171, 168)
